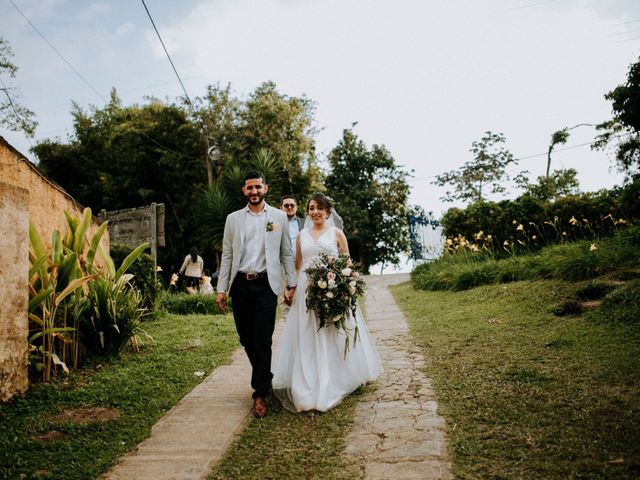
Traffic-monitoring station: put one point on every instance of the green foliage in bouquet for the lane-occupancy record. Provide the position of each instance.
(333, 289)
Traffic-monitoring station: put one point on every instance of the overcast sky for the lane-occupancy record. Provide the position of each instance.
(424, 77)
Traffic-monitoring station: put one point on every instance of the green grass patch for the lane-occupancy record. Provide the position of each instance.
(185, 304)
(526, 394)
(287, 446)
(140, 387)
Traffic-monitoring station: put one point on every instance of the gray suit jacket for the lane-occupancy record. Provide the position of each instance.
(278, 250)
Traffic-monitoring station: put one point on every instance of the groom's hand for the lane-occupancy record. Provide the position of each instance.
(221, 301)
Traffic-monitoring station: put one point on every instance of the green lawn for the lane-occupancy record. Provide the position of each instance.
(287, 446)
(140, 387)
(526, 394)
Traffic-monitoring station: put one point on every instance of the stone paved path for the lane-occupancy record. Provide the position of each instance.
(397, 433)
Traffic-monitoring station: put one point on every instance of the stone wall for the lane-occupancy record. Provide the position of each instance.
(25, 195)
(133, 226)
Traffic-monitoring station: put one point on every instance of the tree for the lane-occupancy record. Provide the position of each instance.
(625, 123)
(558, 138)
(550, 187)
(487, 170)
(13, 116)
(371, 194)
(124, 157)
(267, 120)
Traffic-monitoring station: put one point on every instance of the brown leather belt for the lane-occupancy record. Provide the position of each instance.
(253, 276)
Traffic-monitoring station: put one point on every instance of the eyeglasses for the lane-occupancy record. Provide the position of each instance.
(288, 205)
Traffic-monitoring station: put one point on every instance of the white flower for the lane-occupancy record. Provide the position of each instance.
(198, 374)
(355, 274)
(322, 284)
(352, 290)
(346, 271)
(331, 276)
(332, 284)
(329, 294)
(352, 284)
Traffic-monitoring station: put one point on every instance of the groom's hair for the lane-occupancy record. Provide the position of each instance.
(253, 174)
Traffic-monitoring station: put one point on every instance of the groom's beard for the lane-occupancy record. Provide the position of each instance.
(255, 199)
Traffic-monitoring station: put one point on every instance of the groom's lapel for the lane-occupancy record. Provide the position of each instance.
(240, 227)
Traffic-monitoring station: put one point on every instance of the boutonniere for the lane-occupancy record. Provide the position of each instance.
(272, 227)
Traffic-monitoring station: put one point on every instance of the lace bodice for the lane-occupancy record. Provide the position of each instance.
(310, 248)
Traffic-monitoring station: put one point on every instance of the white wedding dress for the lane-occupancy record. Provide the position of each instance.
(310, 369)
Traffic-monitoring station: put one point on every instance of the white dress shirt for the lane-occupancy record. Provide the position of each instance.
(294, 229)
(253, 258)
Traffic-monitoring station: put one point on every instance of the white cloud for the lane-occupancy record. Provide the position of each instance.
(125, 29)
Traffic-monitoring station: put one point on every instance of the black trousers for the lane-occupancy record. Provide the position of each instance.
(254, 311)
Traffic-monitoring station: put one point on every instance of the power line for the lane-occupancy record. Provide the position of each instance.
(205, 130)
(58, 53)
(527, 157)
(529, 5)
(168, 56)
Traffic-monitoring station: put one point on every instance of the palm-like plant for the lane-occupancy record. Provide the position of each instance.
(224, 195)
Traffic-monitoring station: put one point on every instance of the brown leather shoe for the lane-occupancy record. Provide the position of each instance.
(259, 407)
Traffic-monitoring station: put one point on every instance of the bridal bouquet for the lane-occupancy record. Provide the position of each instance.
(332, 291)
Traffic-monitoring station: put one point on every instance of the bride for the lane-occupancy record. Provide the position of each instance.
(312, 371)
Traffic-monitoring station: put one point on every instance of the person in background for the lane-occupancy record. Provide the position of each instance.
(289, 205)
(205, 283)
(192, 268)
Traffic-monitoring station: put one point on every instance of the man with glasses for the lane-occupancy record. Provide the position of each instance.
(289, 205)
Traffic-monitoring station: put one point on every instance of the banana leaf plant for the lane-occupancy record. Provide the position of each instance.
(54, 281)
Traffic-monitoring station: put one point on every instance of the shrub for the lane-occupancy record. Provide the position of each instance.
(573, 261)
(111, 315)
(143, 271)
(184, 304)
(528, 224)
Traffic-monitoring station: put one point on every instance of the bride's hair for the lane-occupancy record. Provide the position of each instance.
(321, 200)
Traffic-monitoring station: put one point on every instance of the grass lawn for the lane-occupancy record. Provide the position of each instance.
(137, 389)
(526, 394)
(287, 446)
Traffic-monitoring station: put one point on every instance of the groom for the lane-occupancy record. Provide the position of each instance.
(256, 248)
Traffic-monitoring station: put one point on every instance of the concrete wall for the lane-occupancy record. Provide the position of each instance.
(25, 195)
(14, 290)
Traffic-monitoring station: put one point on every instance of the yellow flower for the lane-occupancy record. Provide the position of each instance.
(533, 237)
(520, 228)
(573, 220)
(593, 247)
(506, 243)
(489, 237)
(585, 220)
(479, 235)
(621, 221)
(474, 248)
(564, 234)
(514, 222)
